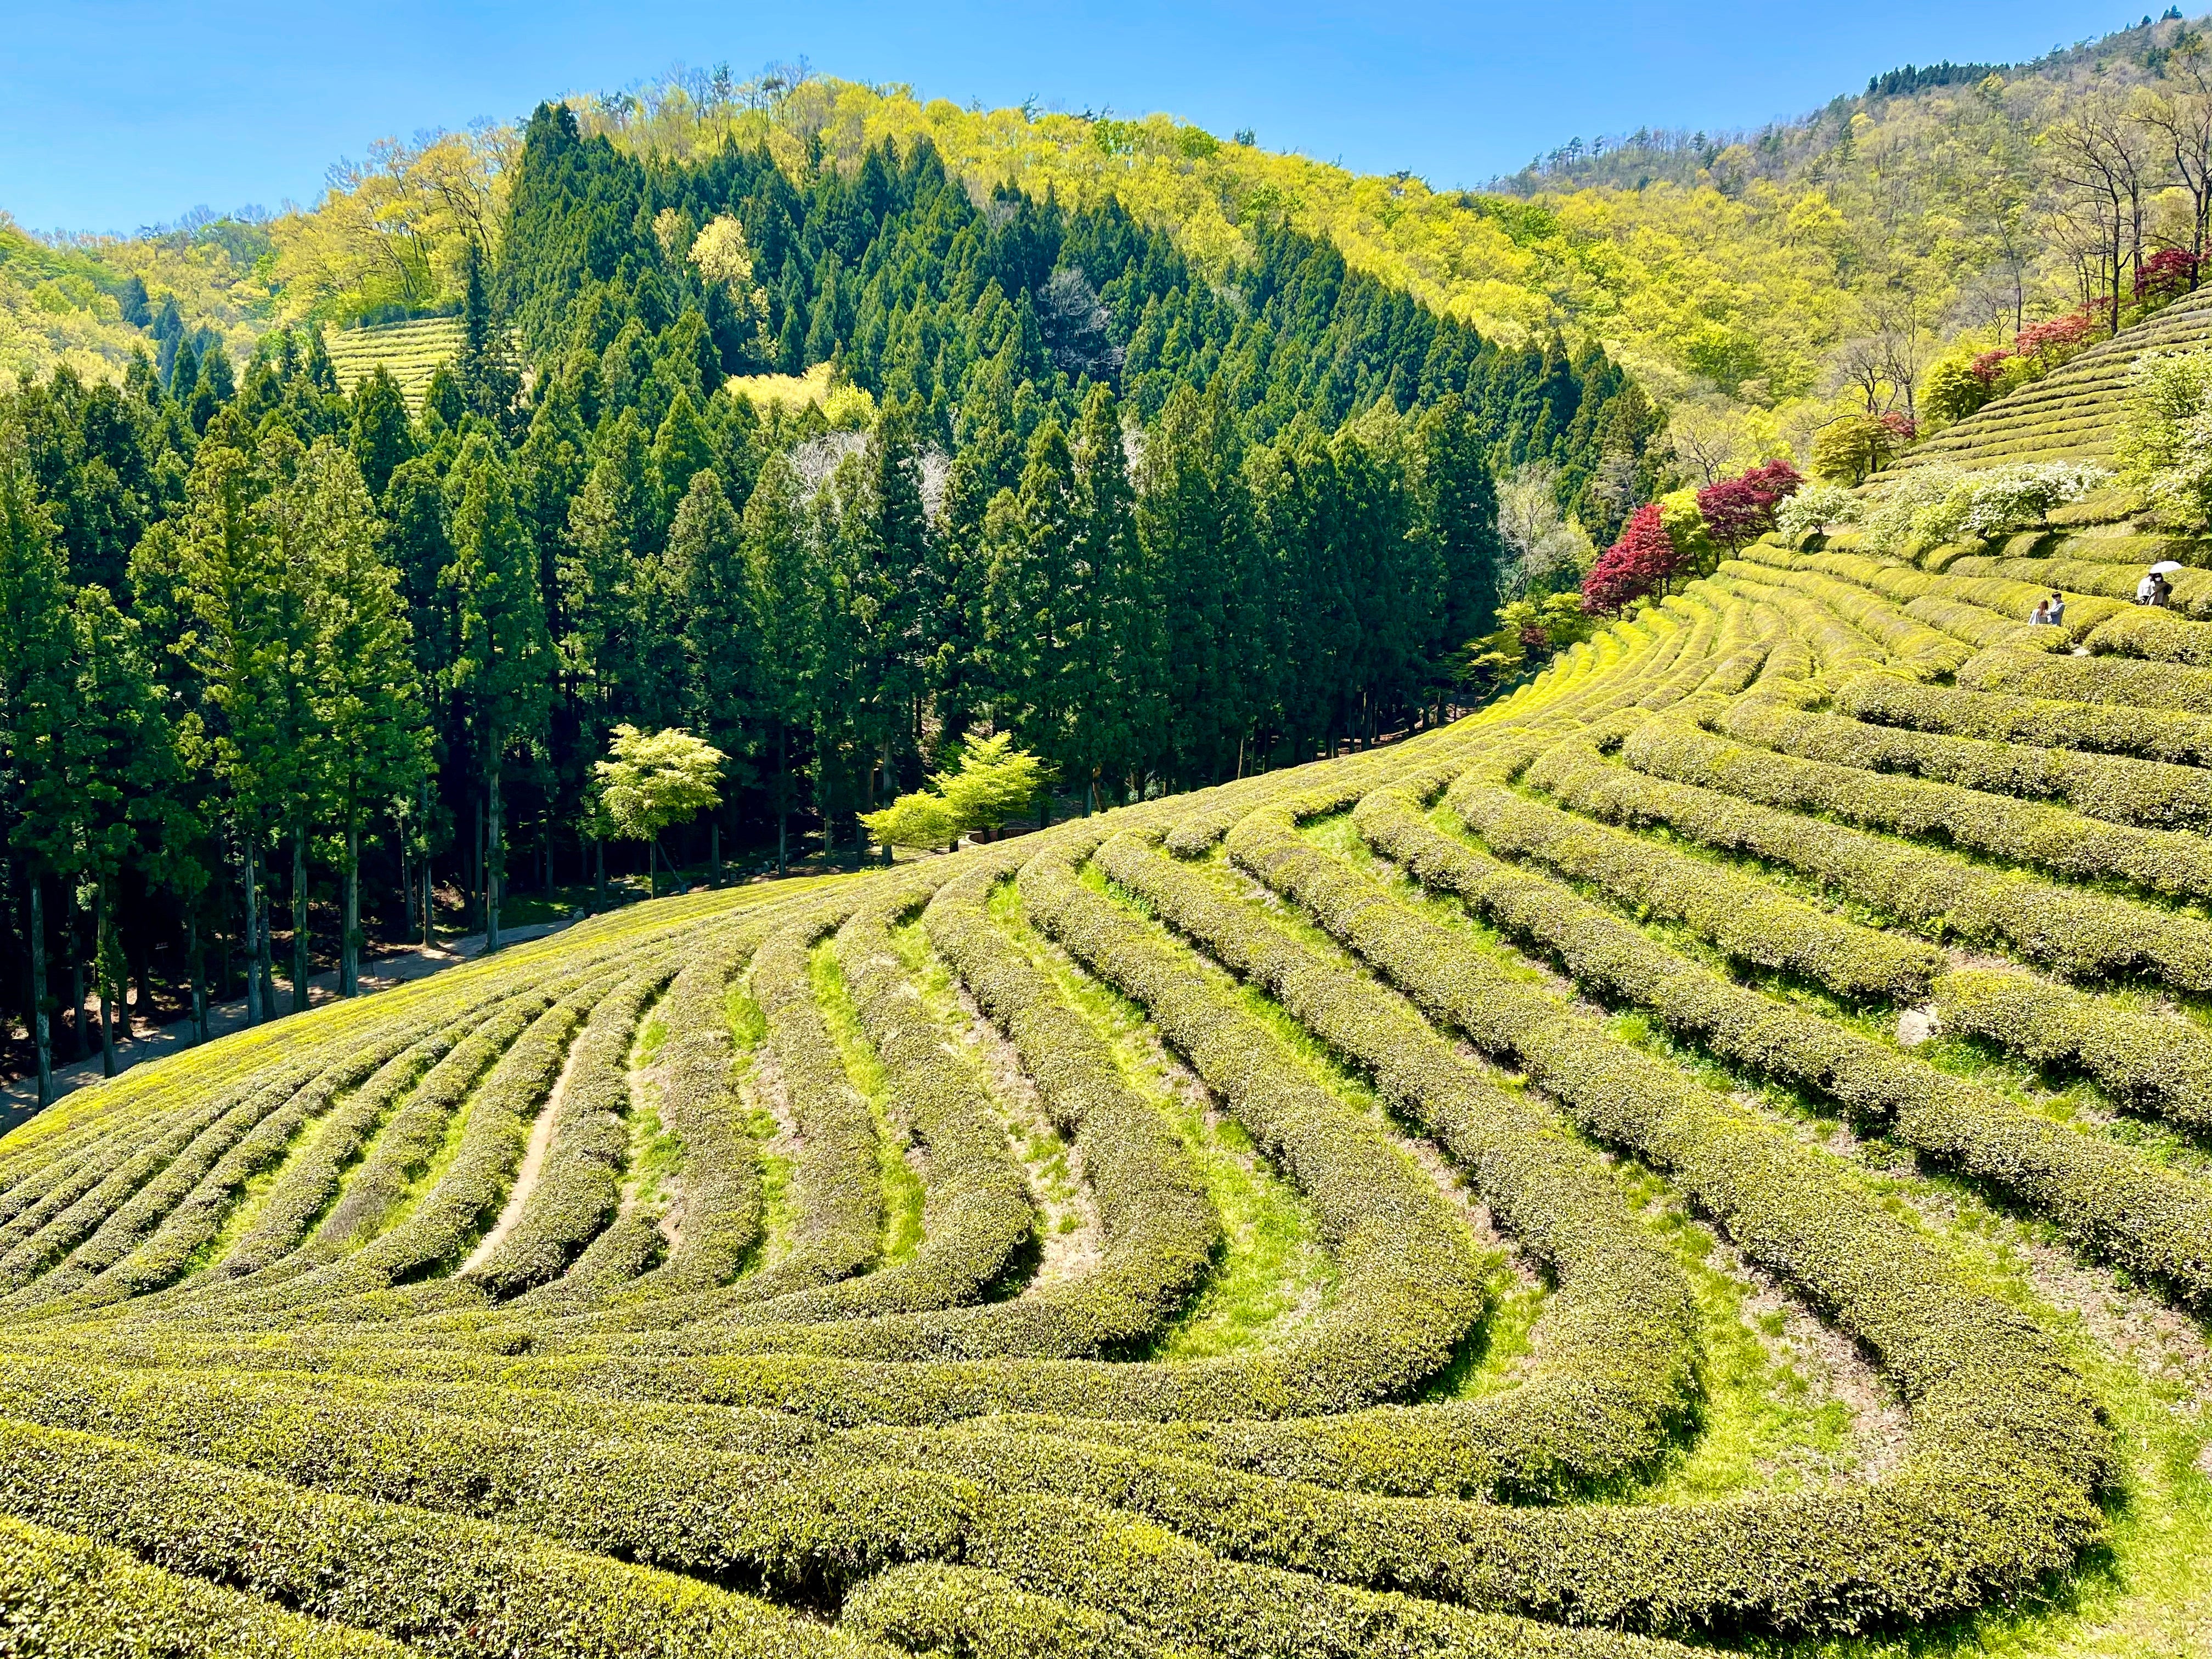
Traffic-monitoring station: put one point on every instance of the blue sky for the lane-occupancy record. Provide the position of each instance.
(115, 113)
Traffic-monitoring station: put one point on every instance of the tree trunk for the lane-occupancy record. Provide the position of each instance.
(479, 889)
(199, 976)
(495, 852)
(266, 948)
(599, 871)
(81, 1042)
(103, 976)
(783, 792)
(255, 1011)
(42, 1036)
(429, 880)
(300, 962)
(350, 944)
(715, 853)
(652, 867)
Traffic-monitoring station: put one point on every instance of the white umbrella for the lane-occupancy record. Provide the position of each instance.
(2165, 565)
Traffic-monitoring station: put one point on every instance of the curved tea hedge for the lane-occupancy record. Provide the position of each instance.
(1658, 1161)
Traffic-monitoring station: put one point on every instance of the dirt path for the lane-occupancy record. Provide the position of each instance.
(533, 1165)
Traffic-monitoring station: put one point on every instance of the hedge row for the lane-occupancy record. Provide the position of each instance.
(2008, 1453)
(2154, 635)
(412, 1136)
(976, 1215)
(170, 1236)
(579, 1185)
(721, 1200)
(448, 1584)
(69, 1596)
(445, 1225)
(2051, 838)
(1981, 612)
(1742, 916)
(1912, 647)
(68, 1213)
(2091, 679)
(1837, 648)
(1410, 1287)
(2109, 1198)
(2192, 589)
(1158, 1226)
(1617, 1374)
(2086, 934)
(310, 1182)
(936, 1610)
(2147, 1062)
(2152, 734)
(2146, 793)
(796, 1528)
(836, 1197)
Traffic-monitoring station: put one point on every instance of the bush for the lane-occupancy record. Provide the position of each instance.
(2165, 440)
(1815, 508)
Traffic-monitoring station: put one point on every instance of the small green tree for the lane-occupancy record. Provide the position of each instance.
(994, 782)
(653, 779)
(924, 818)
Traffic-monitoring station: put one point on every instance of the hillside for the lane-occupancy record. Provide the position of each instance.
(1741, 278)
(1754, 1075)
(409, 351)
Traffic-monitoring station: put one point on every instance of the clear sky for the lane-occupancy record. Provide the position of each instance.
(115, 113)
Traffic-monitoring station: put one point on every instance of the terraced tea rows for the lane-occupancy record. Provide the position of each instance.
(409, 352)
(2072, 413)
(1707, 1150)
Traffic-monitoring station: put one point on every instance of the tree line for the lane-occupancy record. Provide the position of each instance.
(277, 653)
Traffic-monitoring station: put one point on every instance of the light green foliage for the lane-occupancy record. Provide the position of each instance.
(2164, 439)
(653, 779)
(994, 782)
(1815, 508)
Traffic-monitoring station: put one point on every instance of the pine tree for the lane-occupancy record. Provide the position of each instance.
(35, 712)
(787, 587)
(244, 644)
(120, 764)
(885, 563)
(1195, 518)
(484, 373)
(1459, 511)
(1035, 603)
(504, 666)
(605, 596)
(1111, 659)
(363, 689)
(953, 603)
(382, 441)
(681, 450)
(708, 579)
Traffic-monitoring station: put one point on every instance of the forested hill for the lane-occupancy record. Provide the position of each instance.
(280, 652)
(894, 270)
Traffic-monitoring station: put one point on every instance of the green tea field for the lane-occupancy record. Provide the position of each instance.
(1708, 1151)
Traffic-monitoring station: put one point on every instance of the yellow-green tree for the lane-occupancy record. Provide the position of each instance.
(652, 781)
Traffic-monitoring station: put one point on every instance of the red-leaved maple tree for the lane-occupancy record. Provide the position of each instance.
(1638, 563)
(1738, 511)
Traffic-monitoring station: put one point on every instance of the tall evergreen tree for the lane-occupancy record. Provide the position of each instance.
(245, 642)
(709, 583)
(382, 439)
(120, 764)
(786, 584)
(503, 663)
(1194, 517)
(35, 713)
(363, 689)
